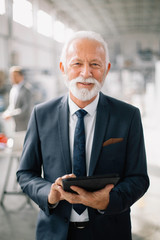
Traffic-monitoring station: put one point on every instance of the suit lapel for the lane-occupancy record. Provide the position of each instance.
(100, 130)
(63, 126)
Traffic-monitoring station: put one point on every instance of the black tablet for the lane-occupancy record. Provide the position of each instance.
(90, 183)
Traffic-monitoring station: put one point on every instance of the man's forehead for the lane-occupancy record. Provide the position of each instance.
(84, 41)
(15, 73)
(78, 46)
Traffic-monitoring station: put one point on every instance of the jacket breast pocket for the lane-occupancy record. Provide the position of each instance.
(112, 158)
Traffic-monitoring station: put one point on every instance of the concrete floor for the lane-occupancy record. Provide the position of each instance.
(18, 219)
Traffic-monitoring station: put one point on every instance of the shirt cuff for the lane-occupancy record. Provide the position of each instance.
(52, 206)
(101, 211)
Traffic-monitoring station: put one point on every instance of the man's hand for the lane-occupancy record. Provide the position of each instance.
(6, 116)
(55, 195)
(98, 199)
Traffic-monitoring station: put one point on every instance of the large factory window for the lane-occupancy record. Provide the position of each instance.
(2, 7)
(44, 23)
(61, 32)
(22, 12)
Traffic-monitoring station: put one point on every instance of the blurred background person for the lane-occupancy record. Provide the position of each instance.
(20, 100)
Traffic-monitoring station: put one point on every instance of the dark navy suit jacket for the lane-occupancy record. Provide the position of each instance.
(47, 144)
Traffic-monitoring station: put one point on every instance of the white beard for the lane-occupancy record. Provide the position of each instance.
(83, 94)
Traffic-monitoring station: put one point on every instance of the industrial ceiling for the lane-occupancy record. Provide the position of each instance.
(131, 27)
(110, 17)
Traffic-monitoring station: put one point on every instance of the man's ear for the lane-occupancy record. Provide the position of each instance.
(61, 67)
(109, 67)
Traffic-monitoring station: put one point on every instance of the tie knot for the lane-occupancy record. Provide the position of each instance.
(81, 113)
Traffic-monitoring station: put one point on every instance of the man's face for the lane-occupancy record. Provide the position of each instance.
(16, 77)
(85, 67)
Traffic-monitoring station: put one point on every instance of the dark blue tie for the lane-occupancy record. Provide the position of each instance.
(79, 155)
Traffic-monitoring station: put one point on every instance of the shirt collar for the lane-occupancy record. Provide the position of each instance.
(91, 108)
(19, 85)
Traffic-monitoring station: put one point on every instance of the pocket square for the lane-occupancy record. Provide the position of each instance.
(112, 141)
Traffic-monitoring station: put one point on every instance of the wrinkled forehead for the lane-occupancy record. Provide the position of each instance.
(85, 47)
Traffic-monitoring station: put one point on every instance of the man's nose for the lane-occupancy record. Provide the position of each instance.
(86, 71)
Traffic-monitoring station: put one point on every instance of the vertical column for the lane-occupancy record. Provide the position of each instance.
(9, 14)
(157, 85)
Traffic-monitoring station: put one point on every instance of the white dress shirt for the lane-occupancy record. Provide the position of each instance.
(13, 96)
(89, 124)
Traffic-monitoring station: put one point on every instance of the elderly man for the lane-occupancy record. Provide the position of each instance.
(84, 132)
(20, 100)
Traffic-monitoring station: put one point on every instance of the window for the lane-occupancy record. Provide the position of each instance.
(44, 23)
(69, 32)
(2, 7)
(61, 33)
(22, 12)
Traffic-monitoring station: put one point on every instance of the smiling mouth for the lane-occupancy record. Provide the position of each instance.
(85, 83)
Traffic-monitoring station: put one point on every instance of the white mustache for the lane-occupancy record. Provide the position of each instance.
(83, 94)
(83, 80)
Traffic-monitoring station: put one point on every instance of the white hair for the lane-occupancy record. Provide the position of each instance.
(83, 35)
(16, 69)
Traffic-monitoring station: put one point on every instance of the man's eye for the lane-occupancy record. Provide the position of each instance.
(77, 63)
(95, 64)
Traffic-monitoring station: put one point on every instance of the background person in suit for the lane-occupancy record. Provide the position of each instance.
(20, 100)
(114, 144)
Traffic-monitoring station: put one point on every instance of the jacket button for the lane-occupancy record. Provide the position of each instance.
(66, 220)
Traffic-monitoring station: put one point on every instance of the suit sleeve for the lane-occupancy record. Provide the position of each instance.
(29, 173)
(135, 181)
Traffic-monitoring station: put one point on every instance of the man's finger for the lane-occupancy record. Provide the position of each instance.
(70, 197)
(69, 176)
(59, 180)
(109, 187)
(78, 190)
